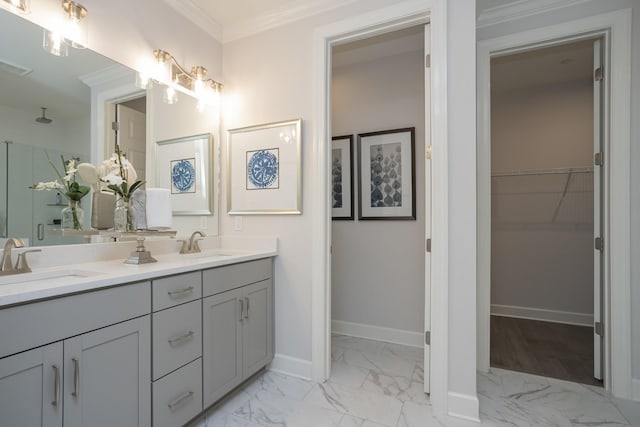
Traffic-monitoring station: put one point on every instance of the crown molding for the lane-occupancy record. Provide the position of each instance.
(521, 9)
(279, 17)
(198, 16)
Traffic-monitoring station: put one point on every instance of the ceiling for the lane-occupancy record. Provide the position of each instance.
(232, 13)
(571, 62)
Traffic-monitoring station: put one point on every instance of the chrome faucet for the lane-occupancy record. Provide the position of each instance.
(6, 267)
(191, 246)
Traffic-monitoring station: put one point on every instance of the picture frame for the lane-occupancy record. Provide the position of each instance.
(386, 175)
(265, 169)
(183, 165)
(342, 177)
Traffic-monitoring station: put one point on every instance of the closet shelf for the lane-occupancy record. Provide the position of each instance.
(529, 172)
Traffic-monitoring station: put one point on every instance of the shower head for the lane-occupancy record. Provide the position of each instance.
(43, 119)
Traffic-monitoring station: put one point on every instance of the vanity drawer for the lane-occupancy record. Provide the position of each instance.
(177, 337)
(174, 290)
(177, 398)
(221, 279)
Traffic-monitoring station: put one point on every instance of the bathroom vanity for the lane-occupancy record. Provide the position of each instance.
(134, 346)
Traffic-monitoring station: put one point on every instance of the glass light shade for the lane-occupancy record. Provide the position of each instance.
(53, 42)
(21, 6)
(76, 24)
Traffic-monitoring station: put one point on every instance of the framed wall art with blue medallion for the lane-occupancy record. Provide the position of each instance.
(184, 166)
(386, 175)
(264, 166)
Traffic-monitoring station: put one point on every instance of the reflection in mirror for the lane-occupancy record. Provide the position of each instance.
(32, 79)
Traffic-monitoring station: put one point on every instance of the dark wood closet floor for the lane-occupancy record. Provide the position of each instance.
(543, 348)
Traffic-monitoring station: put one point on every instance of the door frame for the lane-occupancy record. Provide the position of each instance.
(615, 28)
(387, 19)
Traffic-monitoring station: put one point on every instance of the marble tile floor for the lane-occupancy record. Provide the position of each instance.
(376, 384)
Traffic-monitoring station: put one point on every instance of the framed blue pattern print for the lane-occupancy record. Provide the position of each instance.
(264, 166)
(183, 176)
(262, 169)
(183, 165)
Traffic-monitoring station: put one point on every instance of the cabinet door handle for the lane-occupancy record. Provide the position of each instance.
(246, 310)
(182, 337)
(180, 400)
(76, 376)
(241, 309)
(40, 231)
(56, 385)
(180, 291)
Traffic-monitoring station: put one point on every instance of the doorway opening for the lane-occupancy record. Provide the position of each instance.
(378, 271)
(546, 292)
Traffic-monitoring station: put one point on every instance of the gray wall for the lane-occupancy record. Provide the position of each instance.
(580, 11)
(539, 261)
(378, 266)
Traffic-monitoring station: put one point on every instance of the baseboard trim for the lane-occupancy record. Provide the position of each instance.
(557, 316)
(378, 333)
(635, 389)
(465, 406)
(292, 366)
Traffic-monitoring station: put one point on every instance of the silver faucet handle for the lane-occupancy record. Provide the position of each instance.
(21, 265)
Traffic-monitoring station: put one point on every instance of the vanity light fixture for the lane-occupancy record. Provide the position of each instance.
(167, 71)
(21, 6)
(71, 30)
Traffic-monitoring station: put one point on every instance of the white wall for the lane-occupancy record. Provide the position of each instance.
(378, 266)
(268, 78)
(539, 261)
(580, 11)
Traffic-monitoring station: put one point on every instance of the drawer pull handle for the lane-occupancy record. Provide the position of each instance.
(56, 385)
(76, 376)
(177, 340)
(180, 291)
(180, 400)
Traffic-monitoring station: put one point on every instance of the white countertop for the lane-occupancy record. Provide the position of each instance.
(51, 282)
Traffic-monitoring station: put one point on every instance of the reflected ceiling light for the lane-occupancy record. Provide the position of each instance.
(21, 6)
(71, 30)
(166, 70)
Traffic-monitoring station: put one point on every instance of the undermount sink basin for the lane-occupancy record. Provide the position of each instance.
(45, 276)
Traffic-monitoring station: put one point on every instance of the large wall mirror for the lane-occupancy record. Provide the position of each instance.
(80, 100)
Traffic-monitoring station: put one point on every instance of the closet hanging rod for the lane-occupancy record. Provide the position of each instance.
(555, 171)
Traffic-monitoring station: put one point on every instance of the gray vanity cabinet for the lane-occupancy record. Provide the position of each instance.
(30, 388)
(99, 378)
(79, 360)
(237, 325)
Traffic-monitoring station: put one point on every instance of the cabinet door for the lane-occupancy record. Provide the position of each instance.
(222, 344)
(107, 376)
(31, 388)
(257, 329)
